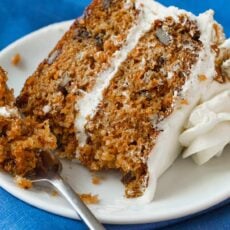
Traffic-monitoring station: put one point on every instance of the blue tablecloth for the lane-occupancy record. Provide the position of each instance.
(19, 17)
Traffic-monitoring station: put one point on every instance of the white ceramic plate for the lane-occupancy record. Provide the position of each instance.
(184, 189)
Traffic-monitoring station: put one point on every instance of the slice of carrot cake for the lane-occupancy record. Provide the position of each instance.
(21, 139)
(119, 86)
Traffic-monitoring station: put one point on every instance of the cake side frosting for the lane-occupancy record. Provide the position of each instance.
(167, 147)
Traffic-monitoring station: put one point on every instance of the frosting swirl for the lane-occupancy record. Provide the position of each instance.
(208, 129)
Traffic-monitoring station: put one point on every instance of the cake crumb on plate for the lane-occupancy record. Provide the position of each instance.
(16, 59)
(96, 180)
(88, 198)
(54, 193)
(23, 182)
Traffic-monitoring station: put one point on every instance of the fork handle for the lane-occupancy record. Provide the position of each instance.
(71, 196)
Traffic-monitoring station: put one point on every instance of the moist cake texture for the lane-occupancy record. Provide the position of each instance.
(120, 84)
(21, 139)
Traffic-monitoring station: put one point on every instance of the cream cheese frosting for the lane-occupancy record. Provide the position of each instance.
(208, 129)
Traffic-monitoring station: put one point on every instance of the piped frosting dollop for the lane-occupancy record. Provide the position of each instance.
(208, 129)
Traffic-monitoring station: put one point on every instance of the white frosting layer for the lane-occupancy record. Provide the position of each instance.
(208, 129)
(8, 112)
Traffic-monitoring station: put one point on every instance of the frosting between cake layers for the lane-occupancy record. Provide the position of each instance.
(208, 129)
(86, 107)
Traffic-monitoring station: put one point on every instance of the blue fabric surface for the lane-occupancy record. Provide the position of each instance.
(19, 17)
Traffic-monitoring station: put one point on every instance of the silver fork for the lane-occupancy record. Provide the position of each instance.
(49, 171)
